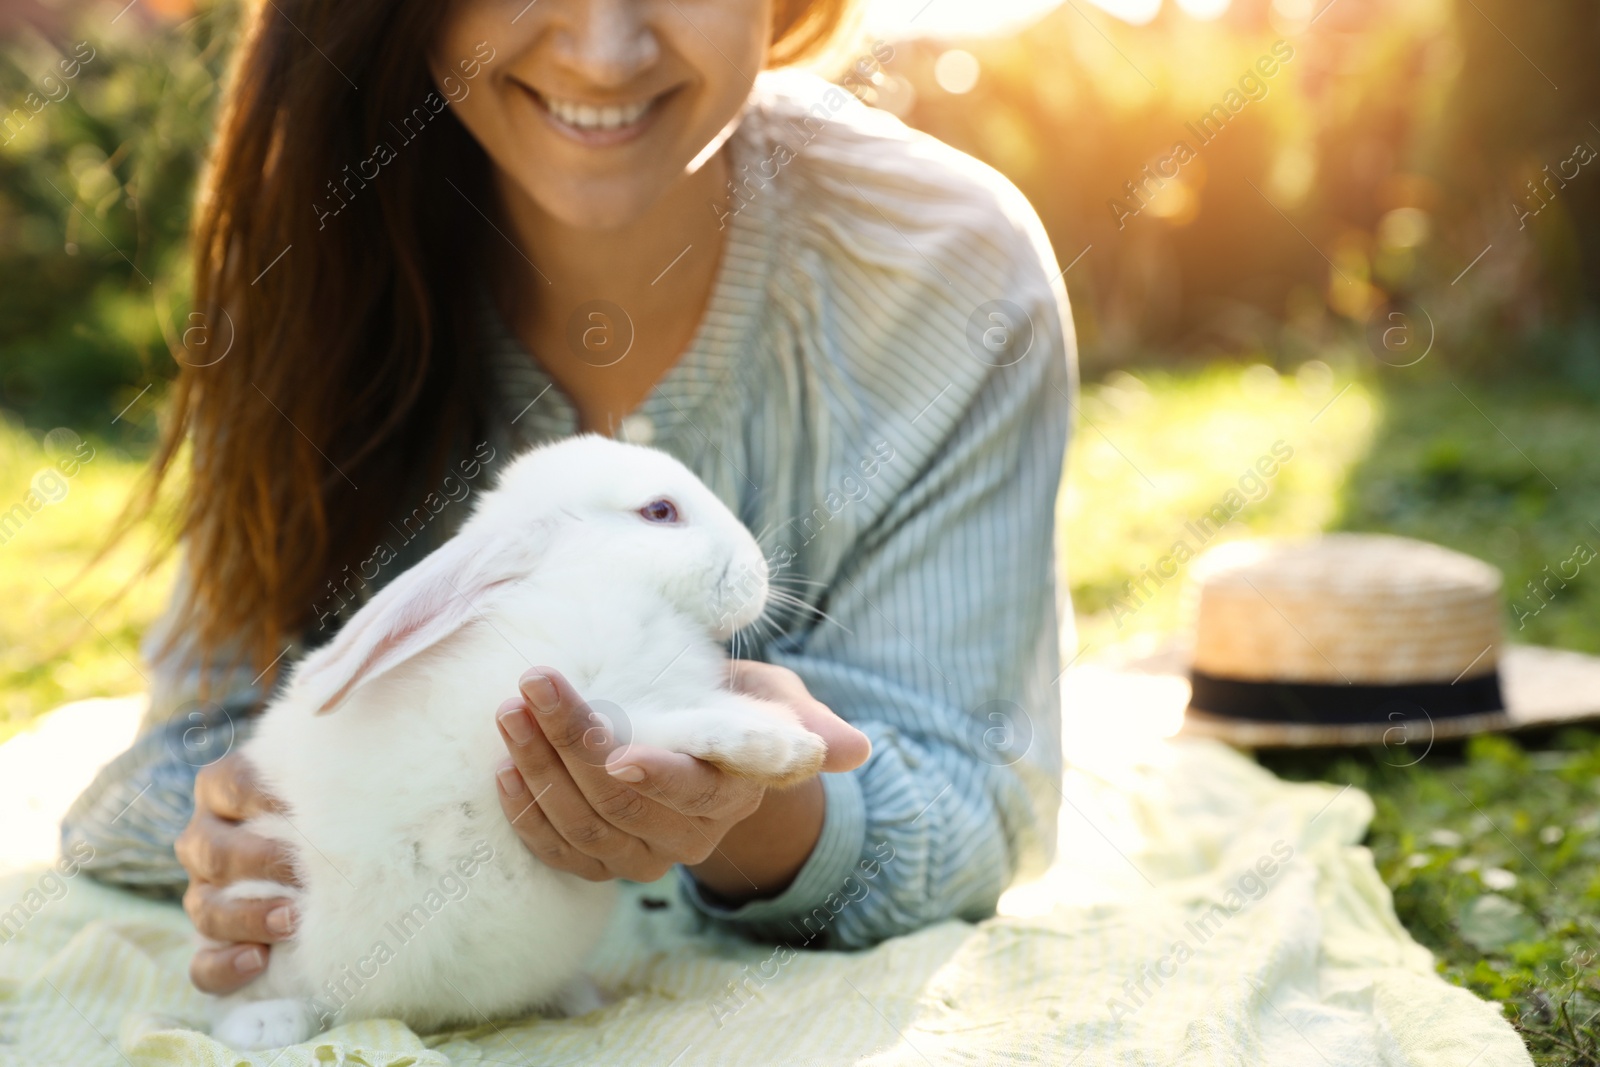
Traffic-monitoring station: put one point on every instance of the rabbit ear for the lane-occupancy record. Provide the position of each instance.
(420, 608)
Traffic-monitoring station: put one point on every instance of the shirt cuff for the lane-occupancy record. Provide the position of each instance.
(834, 859)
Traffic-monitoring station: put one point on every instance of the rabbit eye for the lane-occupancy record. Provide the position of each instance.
(663, 510)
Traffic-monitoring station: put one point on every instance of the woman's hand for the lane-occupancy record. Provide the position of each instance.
(217, 851)
(573, 800)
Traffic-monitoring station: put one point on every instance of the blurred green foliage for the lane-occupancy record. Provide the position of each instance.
(1362, 176)
(95, 196)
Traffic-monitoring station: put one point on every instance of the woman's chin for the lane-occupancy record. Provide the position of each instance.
(595, 207)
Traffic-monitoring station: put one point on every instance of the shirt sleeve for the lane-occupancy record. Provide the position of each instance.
(133, 811)
(944, 650)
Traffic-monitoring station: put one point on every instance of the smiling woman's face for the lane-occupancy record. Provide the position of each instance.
(594, 109)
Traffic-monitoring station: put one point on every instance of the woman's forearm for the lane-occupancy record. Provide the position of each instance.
(761, 855)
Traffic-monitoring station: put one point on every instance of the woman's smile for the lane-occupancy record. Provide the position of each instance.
(597, 124)
(604, 111)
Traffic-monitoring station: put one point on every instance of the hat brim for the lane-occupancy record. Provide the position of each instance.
(1543, 687)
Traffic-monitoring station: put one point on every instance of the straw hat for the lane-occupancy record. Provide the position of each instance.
(1352, 639)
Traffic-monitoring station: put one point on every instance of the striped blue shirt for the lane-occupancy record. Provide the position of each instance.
(880, 387)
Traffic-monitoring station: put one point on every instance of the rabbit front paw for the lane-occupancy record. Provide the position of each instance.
(775, 753)
(744, 736)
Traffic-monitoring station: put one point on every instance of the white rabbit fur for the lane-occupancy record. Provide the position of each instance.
(390, 796)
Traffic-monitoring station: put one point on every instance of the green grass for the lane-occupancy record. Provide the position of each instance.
(1490, 847)
(1153, 454)
(62, 635)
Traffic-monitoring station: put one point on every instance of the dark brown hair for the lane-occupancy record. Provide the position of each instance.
(350, 360)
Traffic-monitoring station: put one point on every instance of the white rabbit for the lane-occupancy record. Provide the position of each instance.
(610, 562)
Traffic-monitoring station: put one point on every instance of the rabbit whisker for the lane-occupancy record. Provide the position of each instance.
(798, 603)
(797, 580)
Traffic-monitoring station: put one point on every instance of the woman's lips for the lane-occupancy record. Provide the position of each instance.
(599, 125)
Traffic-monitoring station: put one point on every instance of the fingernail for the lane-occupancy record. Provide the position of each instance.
(250, 961)
(516, 724)
(541, 690)
(511, 781)
(280, 920)
(627, 772)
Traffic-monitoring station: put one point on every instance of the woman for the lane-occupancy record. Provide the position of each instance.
(435, 234)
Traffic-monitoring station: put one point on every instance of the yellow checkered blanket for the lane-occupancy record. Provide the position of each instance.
(1201, 911)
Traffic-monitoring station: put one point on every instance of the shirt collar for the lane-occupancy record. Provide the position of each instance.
(532, 409)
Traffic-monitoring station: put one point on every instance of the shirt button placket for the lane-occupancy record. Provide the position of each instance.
(637, 428)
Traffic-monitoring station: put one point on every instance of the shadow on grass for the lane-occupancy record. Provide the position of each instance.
(1507, 473)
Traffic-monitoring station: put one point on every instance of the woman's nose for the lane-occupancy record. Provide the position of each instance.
(608, 42)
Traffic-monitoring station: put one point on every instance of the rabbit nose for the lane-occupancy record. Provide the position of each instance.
(741, 591)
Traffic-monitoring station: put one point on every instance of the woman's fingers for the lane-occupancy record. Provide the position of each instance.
(257, 921)
(848, 748)
(213, 850)
(544, 788)
(584, 742)
(244, 927)
(216, 851)
(228, 788)
(220, 971)
(579, 736)
(540, 836)
(535, 831)
(547, 785)
(688, 786)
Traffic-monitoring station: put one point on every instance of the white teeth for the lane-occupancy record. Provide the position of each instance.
(588, 117)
